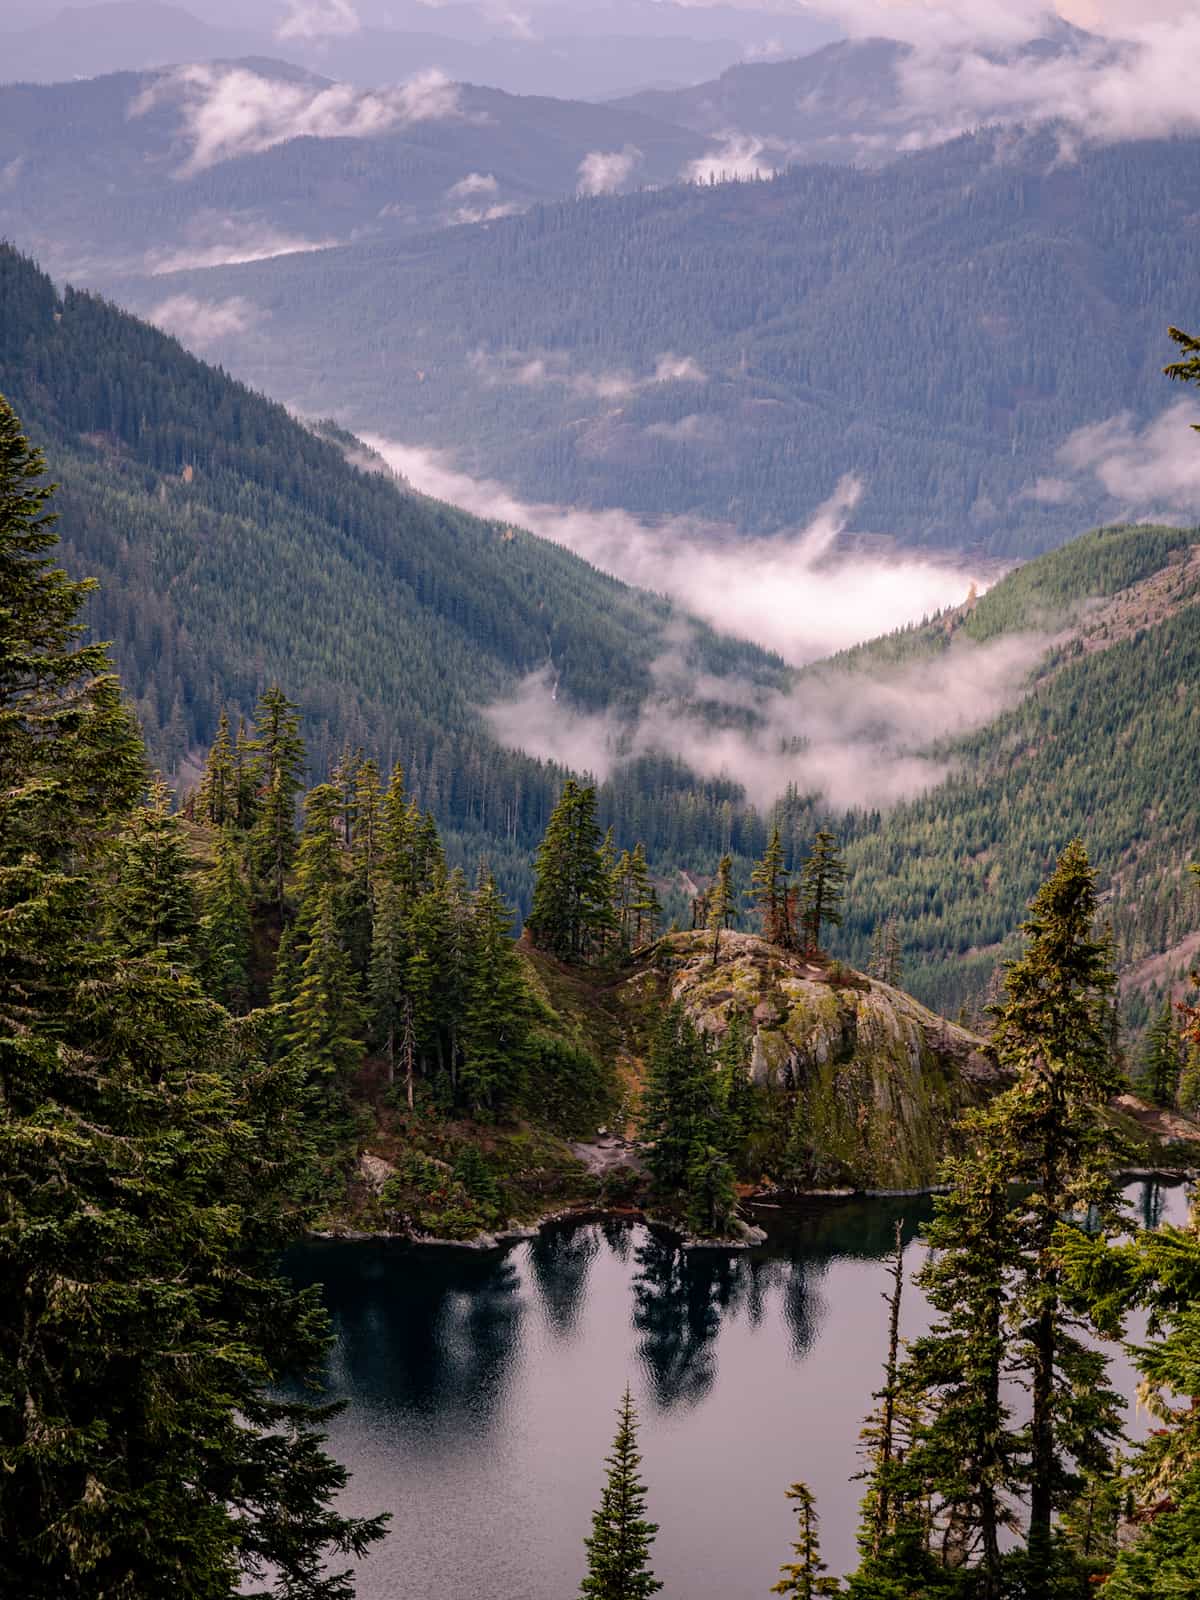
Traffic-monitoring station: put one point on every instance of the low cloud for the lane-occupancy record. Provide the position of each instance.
(227, 112)
(788, 592)
(199, 323)
(472, 200)
(475, 183)
(735, 159)
(213, 240)
(606, 171)
(553, 368)
(857, 739)
(1121, 80)
(1155, 465)
(318, 19)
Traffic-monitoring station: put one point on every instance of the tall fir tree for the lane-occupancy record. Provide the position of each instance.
(1054, 1035)
(326, 1019)
(721, 903)
(152, 906)
(618, 1549)
(1162, 1059)
(572, 915)
(144, 1142)
(822, 888)
(679, 1103)
(226, 926)
(279, 759)
(499, 1011)
(388, 971)
(769, 889)
(216, 798)
(1155, 1276)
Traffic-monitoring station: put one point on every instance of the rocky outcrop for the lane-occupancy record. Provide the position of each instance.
(879, 1080)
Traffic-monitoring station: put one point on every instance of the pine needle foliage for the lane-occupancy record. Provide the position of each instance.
(618, 1548)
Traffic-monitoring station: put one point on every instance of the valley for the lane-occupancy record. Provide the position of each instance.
(599, 625)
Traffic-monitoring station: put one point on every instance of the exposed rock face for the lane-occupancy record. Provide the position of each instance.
(880, 1079)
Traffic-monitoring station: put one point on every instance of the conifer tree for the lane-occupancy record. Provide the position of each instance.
(618, 1549)
(572, 913)
(245, 779)
(1161, 1063)
(152, 905)
(822, 881)
(498, 1014)
(647, 912)
(1054, 1034)
(711, 1190)
(678, 1107)
(326, 1019)
(226, 929)
(388, 972)
(144, 1142)
(769, 890)
(216, 799)
(720, 903)
(968, 1456)
(1158, 1275)
(278, 770)
(802, 1578)
(395, 835)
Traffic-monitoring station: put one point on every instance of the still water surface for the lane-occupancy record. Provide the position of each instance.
(481, 1389)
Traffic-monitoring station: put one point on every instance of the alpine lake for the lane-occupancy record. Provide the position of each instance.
(480, 1387)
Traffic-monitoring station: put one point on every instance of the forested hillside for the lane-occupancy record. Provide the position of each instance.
(941, 329)
(234, 546)
(1102, 746)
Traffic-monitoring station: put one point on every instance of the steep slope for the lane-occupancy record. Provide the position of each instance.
(918, 327)
(234, 547)
(237, 160)
(1103, 745)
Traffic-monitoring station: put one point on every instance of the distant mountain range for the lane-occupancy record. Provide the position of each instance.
(851, 101)
(205, 164)
(975, 333)
(588, 52)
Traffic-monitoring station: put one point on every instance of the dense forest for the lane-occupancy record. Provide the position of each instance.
(919, 327)
(182, 488)
(390, 618)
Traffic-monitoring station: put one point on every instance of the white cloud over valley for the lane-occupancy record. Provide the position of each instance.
(198, 323)
(606, 171)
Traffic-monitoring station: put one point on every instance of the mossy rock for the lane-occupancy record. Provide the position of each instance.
(879, 1079)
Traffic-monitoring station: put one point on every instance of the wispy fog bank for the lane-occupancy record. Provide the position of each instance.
(859, 738)
(855, 738)
(786, 592)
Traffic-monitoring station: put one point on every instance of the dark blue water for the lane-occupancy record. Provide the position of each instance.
(481, 1388)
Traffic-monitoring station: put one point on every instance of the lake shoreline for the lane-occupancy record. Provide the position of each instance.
(753, 1235)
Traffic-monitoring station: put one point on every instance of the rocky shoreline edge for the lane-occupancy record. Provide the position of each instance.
(748, 1236)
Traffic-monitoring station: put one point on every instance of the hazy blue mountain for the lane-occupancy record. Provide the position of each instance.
(845, 102)
(82, 41)
(584, 52)
(941, 328)
(229, 161)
